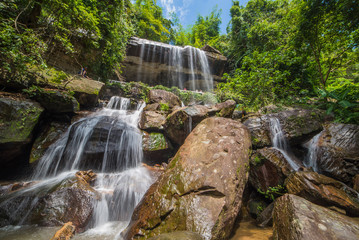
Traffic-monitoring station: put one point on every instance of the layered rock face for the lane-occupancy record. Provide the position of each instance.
(201, 190)
(157, 63)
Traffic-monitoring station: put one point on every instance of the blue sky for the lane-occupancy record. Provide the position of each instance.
(188, 10)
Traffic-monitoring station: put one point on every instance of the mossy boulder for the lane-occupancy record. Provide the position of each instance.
(156, 148)
(55, 101)
(201, 189)
(86, 91)
(18, 120)
(163, 97)
(152, 120)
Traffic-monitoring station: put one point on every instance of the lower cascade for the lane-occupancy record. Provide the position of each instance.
(107, 142)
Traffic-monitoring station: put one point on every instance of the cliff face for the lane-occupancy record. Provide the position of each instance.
(186, 67)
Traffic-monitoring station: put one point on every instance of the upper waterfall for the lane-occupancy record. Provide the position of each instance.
(184, 67)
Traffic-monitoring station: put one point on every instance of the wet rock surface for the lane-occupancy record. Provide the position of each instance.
(48, 135)
(65, 233)
(338, 151)
(296, 218)
(323, 191)
(268, 168)
(201, 189)
(51, 204)
(152, 120)
(180, 123)
(18, 121)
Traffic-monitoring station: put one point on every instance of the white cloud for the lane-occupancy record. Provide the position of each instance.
(181, 9)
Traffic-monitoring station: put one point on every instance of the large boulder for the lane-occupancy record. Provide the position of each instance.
(337, 151)
(156, 148)
(298, 219)
(181, 122)
(48, 135)
(18, 120)
(269, 168)
(55, 101)
(298, 125)
(163, 97)
(51, 202)
(86, 91)
(324, 191)
(201, 189)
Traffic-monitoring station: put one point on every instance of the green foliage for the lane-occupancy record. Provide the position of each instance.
(273, 192)
(164, 107)
(150, 23)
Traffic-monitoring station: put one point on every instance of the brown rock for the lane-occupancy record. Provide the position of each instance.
(163, 97)
(298, 219)
(181, 122)
(65, 233)
(152, 120)
(338, 151)
(323, 191)
(268, 168)
(201, 189)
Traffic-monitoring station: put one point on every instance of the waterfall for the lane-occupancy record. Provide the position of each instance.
(280, 143)
(109, 143)
(311, 159)
(187, 67)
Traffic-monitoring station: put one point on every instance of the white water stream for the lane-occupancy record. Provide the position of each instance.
(280, 143)
(121, 179)
(185, 65)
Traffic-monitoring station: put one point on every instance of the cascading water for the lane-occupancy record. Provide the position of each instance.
(280, 143)
(187, 66)
(311, 159)
(109, 143)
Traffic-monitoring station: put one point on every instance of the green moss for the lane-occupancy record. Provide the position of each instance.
(164, 107)
(157, 141)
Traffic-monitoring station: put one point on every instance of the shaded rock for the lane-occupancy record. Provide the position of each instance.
(87, 91)
(208, 48)
(337, 152)
(323, 191)
(356, 183)
(48, 135)
(269, 168)
(51, 202)
(18, 120)
(125, 89)
(265, 218)
(178, 236)
(156, 148)
(298, 125)
(256, 207)
(55, 101)
(152, 120)
(181, 122)
(163, 97)
(296, 218)
(65, 233)
(201, 189)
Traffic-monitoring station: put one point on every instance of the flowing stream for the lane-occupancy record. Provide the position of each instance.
(187, 66)
(311, 159)
(109, 143)
(280, 143)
